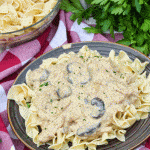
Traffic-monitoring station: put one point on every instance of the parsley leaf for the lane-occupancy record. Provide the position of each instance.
(138, 6)
(28, 105)
(44, 84)
(131, 18)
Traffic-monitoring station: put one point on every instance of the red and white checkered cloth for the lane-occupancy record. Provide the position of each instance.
(61, 31)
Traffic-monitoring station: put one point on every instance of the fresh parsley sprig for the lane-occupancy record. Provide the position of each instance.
(132, 17)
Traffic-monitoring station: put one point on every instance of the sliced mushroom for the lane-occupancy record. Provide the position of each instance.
(64, 91)
(45, 75)
(99, 112)
(69, 80)
(74, 67)
(81, 78)
(86, 131)
(86, 101)
(86, 80)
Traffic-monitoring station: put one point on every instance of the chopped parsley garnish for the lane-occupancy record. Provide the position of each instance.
(51, 100)
(97, 56)
(45, 128)
(84, 119)
(0, 141)
(56, 107)
(28, 105)
(27, 136)
(79, 97)
(106, 70)
(44, 84)
(61, 107)
(58, 82)
(81, 85)
(79, 67)
(103, 93)
(40, 89)
(51, 112)
(114, 71)
(63, 83)
(81, 56)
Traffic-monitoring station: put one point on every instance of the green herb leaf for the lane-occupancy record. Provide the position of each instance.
(44, 84)
(92, 30)
(0, 140)
(106, 25)
(146, 25)
(88, 1)
(28, 105)
(102, 2)
(117, 10)
(118, 1)
(77, 4)
(112, 32)
(131, 18)
(138, 6)
(68, 7)
(124, 42)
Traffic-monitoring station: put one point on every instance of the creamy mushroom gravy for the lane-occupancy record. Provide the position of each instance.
(80, 96)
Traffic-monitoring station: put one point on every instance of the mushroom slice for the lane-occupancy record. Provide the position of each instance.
(86, 131)
(86, 101)
(69, 80)
(74, 67)
(45, 75)
(80, 78)
(87, 77)
(64, 91)
(100, 110)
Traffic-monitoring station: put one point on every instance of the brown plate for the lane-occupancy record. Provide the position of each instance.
(135, 135)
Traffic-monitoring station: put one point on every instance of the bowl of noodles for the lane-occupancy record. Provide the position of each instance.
(89, 95)
(22, 21)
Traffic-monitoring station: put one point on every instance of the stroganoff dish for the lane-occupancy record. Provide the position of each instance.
(19, 14)
(83, 98)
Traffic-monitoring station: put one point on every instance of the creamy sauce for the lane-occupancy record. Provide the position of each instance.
(80, 96)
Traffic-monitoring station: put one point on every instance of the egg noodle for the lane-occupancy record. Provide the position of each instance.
(121, 118)
(18, 14)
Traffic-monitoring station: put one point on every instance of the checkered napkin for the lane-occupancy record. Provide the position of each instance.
(61, 31)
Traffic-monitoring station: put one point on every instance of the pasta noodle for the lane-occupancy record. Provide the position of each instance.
(131, 103)
(19, 14)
